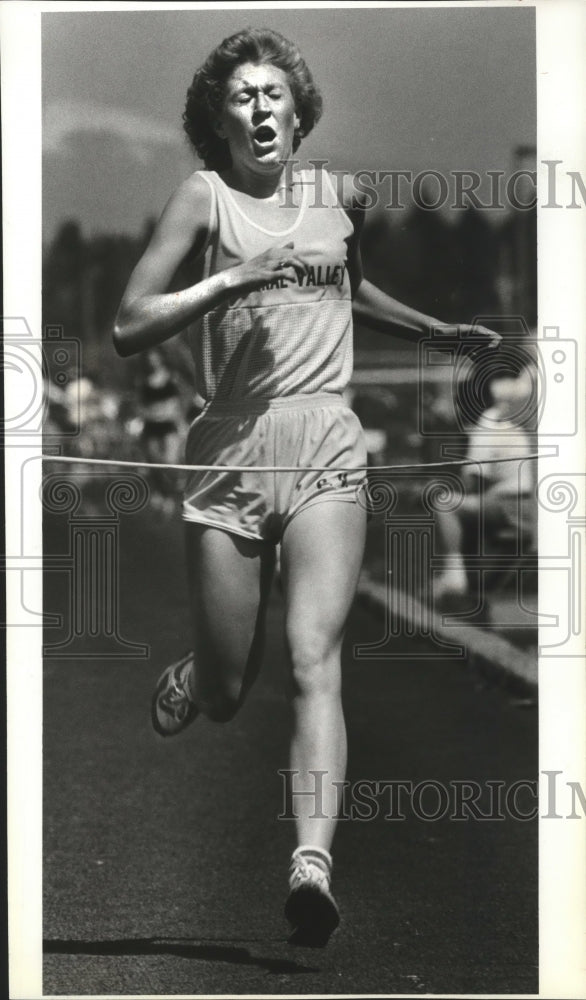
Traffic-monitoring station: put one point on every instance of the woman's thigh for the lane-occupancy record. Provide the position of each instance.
(321, 556)
(229, 584)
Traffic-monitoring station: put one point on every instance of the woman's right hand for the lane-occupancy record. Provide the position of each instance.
(276, 262)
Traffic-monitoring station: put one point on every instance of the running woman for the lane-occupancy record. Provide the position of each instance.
(276, 277)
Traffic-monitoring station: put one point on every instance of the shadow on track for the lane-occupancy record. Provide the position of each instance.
(181, 947)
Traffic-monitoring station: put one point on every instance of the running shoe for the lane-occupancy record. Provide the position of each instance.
(171, 707)
(310, 908)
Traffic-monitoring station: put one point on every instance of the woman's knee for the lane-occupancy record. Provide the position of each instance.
(315, 664)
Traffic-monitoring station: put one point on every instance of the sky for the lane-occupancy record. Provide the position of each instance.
(404, 88)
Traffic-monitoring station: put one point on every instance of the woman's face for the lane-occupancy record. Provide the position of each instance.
(258, 117)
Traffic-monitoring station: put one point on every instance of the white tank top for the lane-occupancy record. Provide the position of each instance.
(282, 339)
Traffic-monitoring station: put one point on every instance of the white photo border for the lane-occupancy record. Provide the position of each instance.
(561, 92)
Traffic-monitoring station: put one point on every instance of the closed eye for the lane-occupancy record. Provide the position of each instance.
(244, 96)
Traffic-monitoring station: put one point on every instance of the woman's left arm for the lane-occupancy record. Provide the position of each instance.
(381, 312)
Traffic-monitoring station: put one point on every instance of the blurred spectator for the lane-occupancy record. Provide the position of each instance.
(56, 410)
(84, 409)
(162, 423)
(498, 506)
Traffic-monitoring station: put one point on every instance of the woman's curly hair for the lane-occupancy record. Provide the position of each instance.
(206, 93)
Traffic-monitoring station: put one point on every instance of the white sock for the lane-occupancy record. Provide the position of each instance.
(316, 855)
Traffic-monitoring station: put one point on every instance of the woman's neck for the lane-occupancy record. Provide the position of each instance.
(269, 186)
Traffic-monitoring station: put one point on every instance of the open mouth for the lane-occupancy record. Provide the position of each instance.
(264, 135)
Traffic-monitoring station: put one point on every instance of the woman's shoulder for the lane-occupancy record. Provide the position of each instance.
(186, 221)
(197, 189)
(190, 204)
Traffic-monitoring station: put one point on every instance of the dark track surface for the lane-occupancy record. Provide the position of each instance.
(165, 865)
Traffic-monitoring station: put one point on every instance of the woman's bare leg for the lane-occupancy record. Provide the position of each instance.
(321, 555)
(229, 584)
